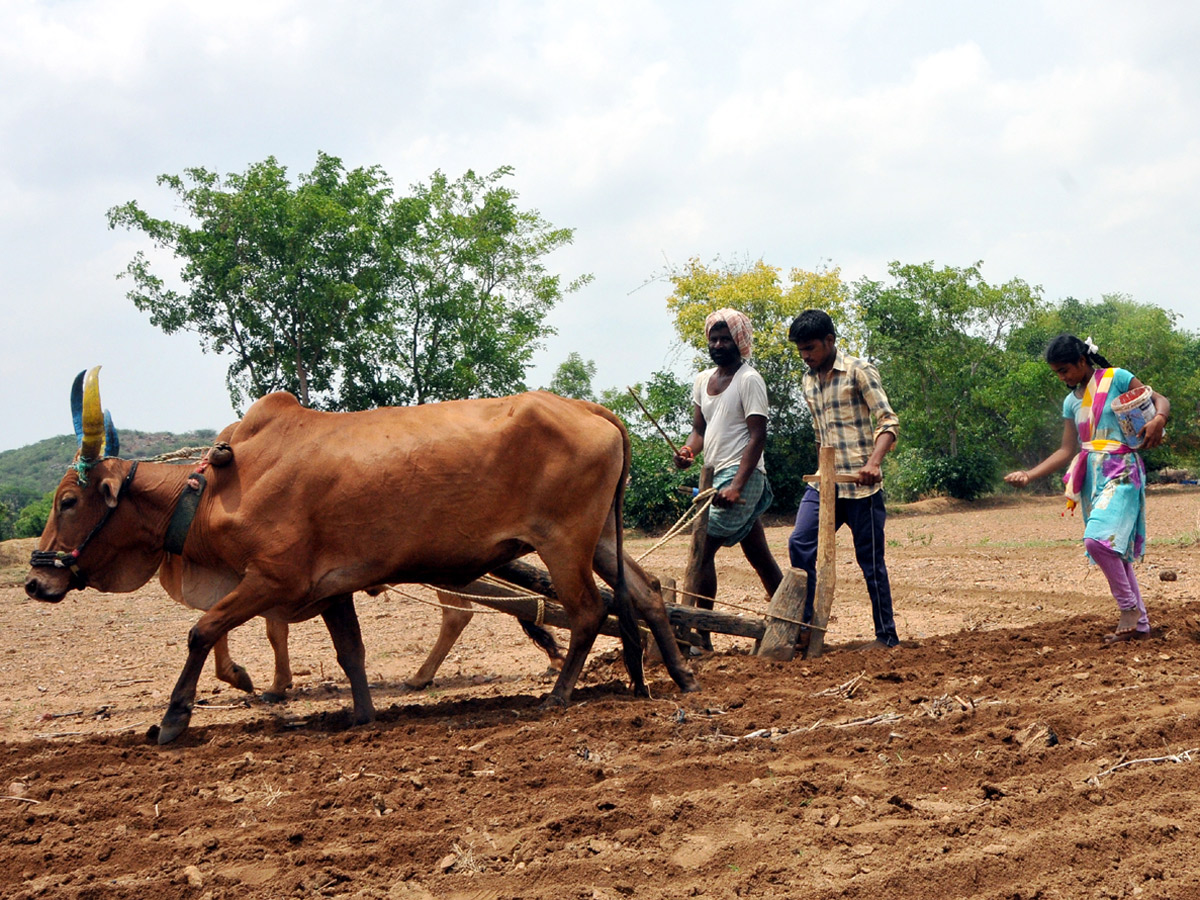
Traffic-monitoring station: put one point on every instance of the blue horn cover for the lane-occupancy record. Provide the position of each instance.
(77, 406)
(112, 443)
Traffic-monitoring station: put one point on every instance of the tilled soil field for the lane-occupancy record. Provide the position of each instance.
(1001, 752)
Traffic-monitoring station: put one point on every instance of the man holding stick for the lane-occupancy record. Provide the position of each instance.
(844, 394)
(729, 423)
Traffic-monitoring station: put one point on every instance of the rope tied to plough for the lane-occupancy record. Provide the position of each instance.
(700, 503)
(517, 594)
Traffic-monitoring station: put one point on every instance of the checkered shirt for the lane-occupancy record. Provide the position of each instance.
(842, 410)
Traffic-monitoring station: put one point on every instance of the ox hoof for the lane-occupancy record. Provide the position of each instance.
(241, 680)
(273, 697)
(552, 702)
(168, 732)
(690, 686)
(640, 690)
(173, 725)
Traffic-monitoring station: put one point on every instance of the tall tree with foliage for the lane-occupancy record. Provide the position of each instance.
(467, 294)
(653, 499)
(941, 336)
(758, 291)
(284, 278)
(346, 295)
(573, 378)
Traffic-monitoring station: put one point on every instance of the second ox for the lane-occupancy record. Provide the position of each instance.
(314, 506)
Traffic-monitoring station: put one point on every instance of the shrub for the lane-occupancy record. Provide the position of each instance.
(31, 521)
(653, 501)
(906, 475)
(966, 476)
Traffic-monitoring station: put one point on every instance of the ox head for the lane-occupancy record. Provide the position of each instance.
(72, 552)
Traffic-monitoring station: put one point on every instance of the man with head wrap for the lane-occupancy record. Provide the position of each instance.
(729, 423)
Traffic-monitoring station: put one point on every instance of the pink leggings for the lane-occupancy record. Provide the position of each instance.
(1121, 579)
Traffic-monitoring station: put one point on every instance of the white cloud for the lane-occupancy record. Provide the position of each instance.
(1055, 141)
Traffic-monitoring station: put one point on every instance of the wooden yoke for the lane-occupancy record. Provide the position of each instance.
(826, 569)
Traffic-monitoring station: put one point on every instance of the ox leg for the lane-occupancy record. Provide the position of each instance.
(242, 604)
(229, 671)
(580, 598)
(647, 599)
(342, 622)
(453, 623)
(277, 634)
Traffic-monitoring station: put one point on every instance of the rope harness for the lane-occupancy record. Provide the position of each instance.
(69, 559)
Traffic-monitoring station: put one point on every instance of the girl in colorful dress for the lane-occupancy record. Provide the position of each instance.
(1105, 475)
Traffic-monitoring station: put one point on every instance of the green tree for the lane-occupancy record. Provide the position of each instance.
(654, 500)
(467, 293)
(283, 278)
(941, 336)
(347, 296)
(573, 378)
(31, 521)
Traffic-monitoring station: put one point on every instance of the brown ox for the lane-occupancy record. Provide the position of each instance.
(315, 506)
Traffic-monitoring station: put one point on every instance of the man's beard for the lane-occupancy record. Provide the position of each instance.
(724, 357)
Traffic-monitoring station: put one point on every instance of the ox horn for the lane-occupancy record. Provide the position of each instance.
(112, 443)
(92, 443)
(77, 407)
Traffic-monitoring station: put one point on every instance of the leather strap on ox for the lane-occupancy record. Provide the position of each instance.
(185, 511)
(64, 559)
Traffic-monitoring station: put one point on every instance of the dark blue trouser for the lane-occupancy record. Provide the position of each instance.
(866, 518)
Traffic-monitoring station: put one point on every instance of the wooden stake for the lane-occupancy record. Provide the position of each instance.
(826, 551)
(783, 617)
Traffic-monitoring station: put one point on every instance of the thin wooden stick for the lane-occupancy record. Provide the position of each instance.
(1182, 757)
(653, 421)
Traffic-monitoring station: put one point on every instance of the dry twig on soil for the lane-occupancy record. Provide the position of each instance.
(945, 704)
(1181, 757)
(845, 689)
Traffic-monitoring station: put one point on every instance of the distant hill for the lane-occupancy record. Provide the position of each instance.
(29, 472)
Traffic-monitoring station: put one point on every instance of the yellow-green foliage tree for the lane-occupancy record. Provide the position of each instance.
(759, 291)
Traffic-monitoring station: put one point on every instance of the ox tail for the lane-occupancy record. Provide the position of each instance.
(631, 639)
(544, 639)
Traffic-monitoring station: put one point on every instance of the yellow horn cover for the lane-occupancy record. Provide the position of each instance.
(93, 416)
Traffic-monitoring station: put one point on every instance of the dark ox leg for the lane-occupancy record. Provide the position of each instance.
(229, 671)
(277, 634)
(578, 594)
(252, 597)
(647, 599)
(342, 622)
(453, 623)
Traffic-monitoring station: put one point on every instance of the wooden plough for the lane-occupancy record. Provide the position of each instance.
(774, 635)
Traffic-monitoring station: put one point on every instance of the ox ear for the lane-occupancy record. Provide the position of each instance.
(110, 489)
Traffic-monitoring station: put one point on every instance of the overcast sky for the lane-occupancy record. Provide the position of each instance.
(1058, 142)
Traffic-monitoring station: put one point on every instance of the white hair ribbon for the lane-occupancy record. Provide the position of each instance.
(1091, 347)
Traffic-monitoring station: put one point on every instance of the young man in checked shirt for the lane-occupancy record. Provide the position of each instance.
(844, 394)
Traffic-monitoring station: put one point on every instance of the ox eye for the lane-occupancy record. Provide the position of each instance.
(67, 502)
